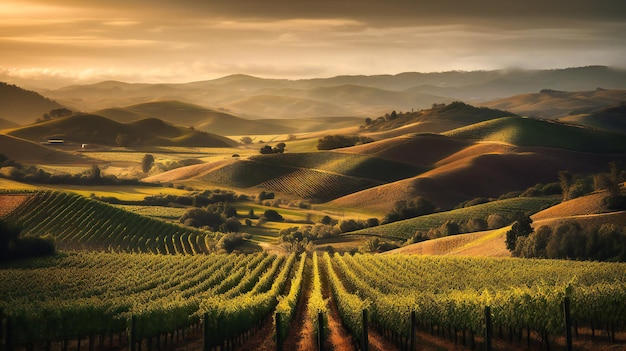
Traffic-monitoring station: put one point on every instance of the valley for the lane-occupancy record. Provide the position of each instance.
(201, 210)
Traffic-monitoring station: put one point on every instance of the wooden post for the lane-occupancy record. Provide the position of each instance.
(320, 331)
(568, 324)
(488, 329)
(279, 338)
(7, 333)
(131, 336)
(206, 341)
(365, 342)
(413, 327)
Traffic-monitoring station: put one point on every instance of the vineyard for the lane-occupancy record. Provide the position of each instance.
(87, 294)
(143, 298)
(164, 280)
(76, 222)
(317, 185)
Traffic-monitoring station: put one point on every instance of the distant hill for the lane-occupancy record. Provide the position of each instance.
(553, 104)
(532, 132)
(5, 124)
(93, 129)
(23, 106)
(25, 151)
(608, 118)
(362, 96)
(199, 117)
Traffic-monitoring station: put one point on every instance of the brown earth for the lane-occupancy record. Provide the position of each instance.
(9, 202)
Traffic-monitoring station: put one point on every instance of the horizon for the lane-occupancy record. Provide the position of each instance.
(57, 43)
(31, 83)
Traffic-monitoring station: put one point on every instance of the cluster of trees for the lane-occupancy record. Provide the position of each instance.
(13, 246)
(330, 142)
(196, 199)
(454, 227)
(215, 217)
(408, 209)
(31, 174)
(55, 113)
(606, 242)
(278, 149)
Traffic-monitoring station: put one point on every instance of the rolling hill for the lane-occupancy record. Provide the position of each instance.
(25, 151)
(6, 124)
(201, 118)
(480, 170)
(553, 104)
(93, 129)
(611, 118)
(22, 106)
(543, 133)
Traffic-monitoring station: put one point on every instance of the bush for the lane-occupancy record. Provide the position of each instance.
(273, 215)
(408, 209)
(229, 242)
(330, 142)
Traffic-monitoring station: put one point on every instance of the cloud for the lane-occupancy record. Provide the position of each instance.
(196, 39)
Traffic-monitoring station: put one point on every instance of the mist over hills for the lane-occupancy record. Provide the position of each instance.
(363, 96)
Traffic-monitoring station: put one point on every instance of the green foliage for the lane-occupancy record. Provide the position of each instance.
(16, 247)
(147, 162)
(605, 242)
(408, 209)
(273, 215)
(501, 211)
(330, 142)
(521, 228)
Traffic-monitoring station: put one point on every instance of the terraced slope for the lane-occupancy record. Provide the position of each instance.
(76, 222)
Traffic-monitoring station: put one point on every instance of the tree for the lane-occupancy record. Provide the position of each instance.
(246, 140)
(521, 228)
(121, 140)
(94, 172)
(273, 215)
(266, 150)
(566, 178)
(147, 162)
(279, 148)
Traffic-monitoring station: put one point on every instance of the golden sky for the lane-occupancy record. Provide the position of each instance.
(58, 42)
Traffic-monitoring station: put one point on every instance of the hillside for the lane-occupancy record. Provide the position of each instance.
(479, 170)
(611, 118)
(108, 226)
(93, 129)
(201, 118)
(531, 132)
(22, 106)
(506, 208)
(553, 104)
(6, 124)
(419, 149)
(439, 118)
(481, 244)
(28, 152)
